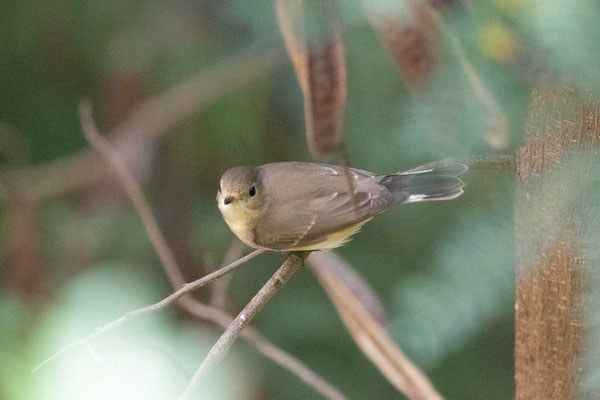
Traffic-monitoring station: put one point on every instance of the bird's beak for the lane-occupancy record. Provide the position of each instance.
(228, 200)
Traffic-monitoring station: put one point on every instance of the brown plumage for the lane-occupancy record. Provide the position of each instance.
(295, 206)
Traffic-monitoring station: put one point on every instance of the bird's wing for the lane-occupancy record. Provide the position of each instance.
(283, 229)
(323, 200)
(343, 210)
(302, 224)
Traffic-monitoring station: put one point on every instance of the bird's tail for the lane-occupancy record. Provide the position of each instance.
(436, 183)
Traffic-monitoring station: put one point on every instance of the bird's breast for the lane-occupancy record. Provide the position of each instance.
(241, 221)
(332, 240)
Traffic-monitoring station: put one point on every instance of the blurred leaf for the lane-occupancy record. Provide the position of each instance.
(313, 35)
(411, 35)
(148, 359)
(370, 336)
(14, 371)
(352, 280)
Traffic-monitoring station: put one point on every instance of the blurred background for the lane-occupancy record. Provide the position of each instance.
(74, 252)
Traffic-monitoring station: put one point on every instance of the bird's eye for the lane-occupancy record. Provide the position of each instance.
(252, 191)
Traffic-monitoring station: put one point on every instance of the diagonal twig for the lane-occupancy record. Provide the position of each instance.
(218, 295)
(499, 163)
(497, 134)
(146, 123)
(266, 348)
(292, 263)
(185, 289)
(187, 302)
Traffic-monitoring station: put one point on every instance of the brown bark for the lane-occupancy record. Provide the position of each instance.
(550, 234)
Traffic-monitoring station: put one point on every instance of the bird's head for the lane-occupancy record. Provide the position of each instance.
(240, 193)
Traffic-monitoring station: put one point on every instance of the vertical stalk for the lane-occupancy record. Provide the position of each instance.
(551, 234)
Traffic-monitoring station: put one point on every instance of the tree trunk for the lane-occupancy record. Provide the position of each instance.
(551, 203)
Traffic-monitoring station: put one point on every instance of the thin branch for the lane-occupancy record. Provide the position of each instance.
(187, 302)
(266, 348)
(503, 163)
(500, 163)
(147, 122)
(132, 190)
(185, 289)
(158, 241)
(218, 295)
(292, 263)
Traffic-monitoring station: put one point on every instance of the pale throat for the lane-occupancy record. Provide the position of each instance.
(241, 220)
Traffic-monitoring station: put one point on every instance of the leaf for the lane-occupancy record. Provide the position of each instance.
(413, 32)
(353, 281)
(411, 35)
(313, 36)
(368, 334)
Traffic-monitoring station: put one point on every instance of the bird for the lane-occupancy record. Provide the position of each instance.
(302, 206)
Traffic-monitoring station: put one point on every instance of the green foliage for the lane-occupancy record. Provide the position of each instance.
(465, 289)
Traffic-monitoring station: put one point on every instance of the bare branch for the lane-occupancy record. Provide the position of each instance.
(292, 263)
(173, 271)
(185, 289)
(218, 296)
(413, 42)
(132, 190)
(500, 163)
(266, 348)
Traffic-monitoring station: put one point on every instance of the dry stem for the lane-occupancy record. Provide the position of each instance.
(266, 348)
(218, 296)
(220, 349)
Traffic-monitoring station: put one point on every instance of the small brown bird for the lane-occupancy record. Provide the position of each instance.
(296, 206)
